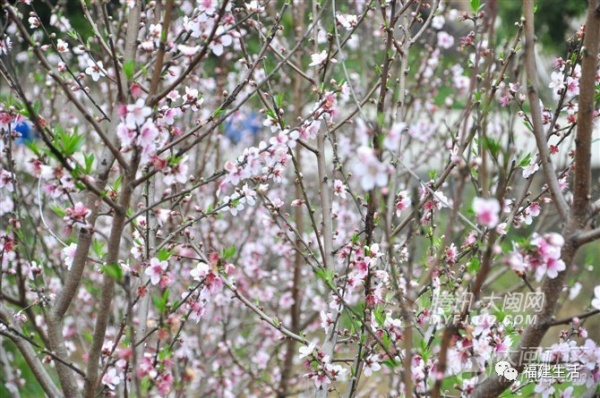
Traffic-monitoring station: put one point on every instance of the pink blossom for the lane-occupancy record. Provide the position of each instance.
(321, 380)
(530, 169)
(137, 113)
(254, 6)
(221, 41)
(392, 138)
(572, 86)
(371, 365)
(6, 180)
(148, 134)
(111, 379)
(318, 59)
(62, 46)
(486, 211)
(305, 351)
(348, 21)
(164, 384)
(69, 254)
(339, 189)
(177, 172)
(95, 69)
(200, 272)
(370, 170)
(445, 40)
(505, 100)
(483, 323)
(125, 134)
(155, 270)
(402, 202)
(78, 212)
(438, 22)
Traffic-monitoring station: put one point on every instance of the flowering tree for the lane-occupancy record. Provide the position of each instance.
(229, 198)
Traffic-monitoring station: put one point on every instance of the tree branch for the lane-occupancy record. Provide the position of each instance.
(577, 218)
(536, 113)
(587, 237)
(32, 360)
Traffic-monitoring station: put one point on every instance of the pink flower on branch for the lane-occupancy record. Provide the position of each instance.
(155, 270)
(370, 170)
(486, 211)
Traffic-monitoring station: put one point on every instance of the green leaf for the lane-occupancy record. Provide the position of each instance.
(59, 211)
(174, 160)
(113, 270)
(89, 162)
(128, 68)
(161, 301)
(88, 336)
(473, 265)
(491, 145)
(32, 145)
(165, 353)
(163, 254)
(387, 342)
(145, 385)
(270, 113)
(229, 253)
(379, 314)
(475, 5)
(278, 100)
(525, 161)
(325, 275)
(98, 247)
(117, 184)
(218, 113)
(69, 143)
(390, 363)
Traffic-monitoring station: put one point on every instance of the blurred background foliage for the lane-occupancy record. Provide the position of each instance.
(554, 19)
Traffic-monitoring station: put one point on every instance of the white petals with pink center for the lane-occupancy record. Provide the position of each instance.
(402, 203)
(137, 113)
(155, 270)
(486, 211)
(370, 171)
(318, 59)
(200, 272)
(78, 212)
(95, 70)
(111, 379)
(221, 41)
(6, 180)
(68, 254)
(305, 351)
(339, 189)
(62, 46)
(530, 169)
(125, 134)
(371, 365)
(148, 134)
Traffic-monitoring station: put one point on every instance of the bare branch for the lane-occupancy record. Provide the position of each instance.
(536, 114)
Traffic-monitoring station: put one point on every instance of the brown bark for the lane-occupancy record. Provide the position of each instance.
(577, 216)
